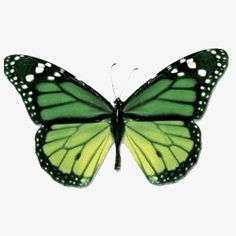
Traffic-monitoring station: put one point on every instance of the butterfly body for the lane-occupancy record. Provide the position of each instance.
(117, 129)
(78, 125)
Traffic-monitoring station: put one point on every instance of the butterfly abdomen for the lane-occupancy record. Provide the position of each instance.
(117, 129)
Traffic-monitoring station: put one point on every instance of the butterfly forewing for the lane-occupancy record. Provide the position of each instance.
(51, 94)
(180, 91)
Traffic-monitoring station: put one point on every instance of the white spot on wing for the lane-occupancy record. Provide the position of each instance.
(202, 72)
(24, 86)
(16, 58)
(51, 78)
(190, 60)
(39, 70)
(48, 64)
(192, 65)
(41, 65)
(29, 78)
(57, 74)
(213, 51)
(180, 74)
(174, 71)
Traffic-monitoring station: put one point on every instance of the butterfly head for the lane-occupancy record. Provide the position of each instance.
(118, 103)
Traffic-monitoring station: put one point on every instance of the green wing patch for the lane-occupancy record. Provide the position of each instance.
(164, 98)
(66, 100)
(73, 153)
(164, 150)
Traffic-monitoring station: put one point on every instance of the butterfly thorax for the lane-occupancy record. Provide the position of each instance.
(117, 129)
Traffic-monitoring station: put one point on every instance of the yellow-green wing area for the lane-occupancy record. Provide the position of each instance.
(164, 150)
(72, 153)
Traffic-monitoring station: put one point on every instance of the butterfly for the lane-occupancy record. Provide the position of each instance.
(78, 125)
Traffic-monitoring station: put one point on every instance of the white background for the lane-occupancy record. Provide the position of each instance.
(86, 38)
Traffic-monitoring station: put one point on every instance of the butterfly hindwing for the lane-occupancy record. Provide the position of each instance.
(164, 150)
(72, 153)
(52, 94)
(180, 91)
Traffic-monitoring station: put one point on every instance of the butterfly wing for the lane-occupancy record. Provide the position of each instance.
(75, 133)
(164, 150)
(159, 127)
(51, 94)
(180, 91)
(72, 153)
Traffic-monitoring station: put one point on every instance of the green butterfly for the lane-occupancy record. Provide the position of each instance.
(78, 125)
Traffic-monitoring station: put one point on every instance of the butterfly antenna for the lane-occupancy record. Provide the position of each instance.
(130, 74)
(112, 83)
